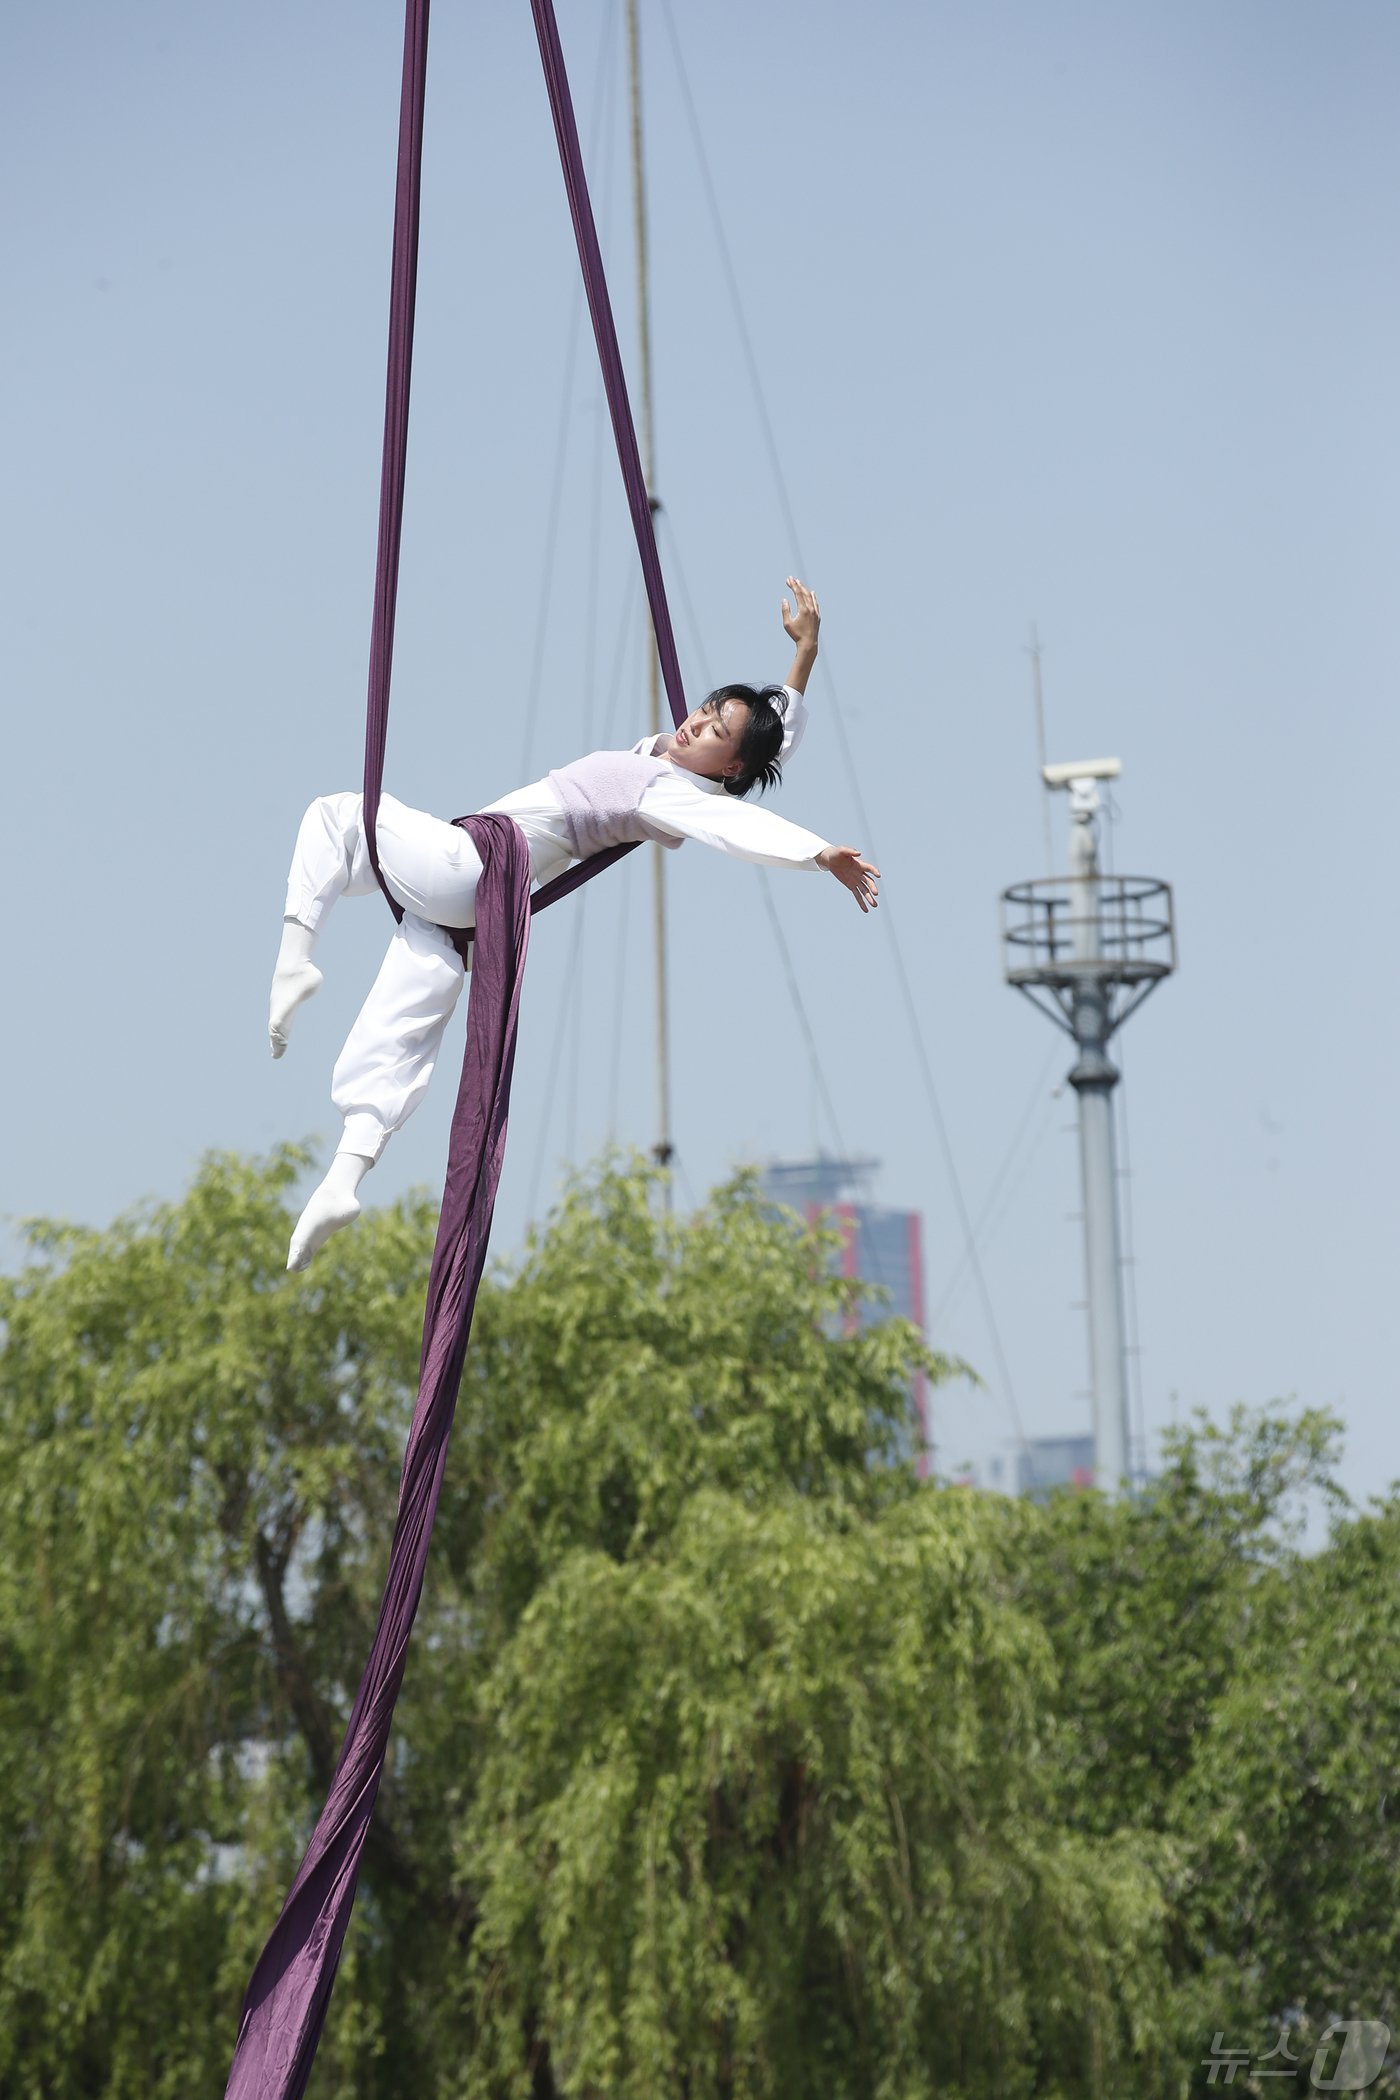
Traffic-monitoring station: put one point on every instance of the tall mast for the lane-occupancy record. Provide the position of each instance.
(1087, 948)
(663, 1149)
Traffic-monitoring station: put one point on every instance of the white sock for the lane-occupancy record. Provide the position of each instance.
(295, 978)
(334, 1204)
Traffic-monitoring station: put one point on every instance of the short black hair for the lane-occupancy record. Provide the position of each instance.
(762, 739)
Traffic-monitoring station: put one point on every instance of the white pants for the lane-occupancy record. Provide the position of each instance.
(432, 869)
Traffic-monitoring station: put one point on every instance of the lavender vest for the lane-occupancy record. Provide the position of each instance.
(600, 795)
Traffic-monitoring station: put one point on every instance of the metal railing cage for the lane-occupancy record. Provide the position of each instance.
(1062, 929)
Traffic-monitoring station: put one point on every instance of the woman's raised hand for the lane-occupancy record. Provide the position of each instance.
(858, 876)
(802, 620)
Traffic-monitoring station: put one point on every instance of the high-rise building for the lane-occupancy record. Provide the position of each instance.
(878, 1246)
(1046, 1462)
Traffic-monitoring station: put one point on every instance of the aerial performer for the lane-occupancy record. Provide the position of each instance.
(687, 784)
(481, 879)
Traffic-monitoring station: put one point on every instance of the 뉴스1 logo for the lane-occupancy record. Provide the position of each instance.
(1348, 2059)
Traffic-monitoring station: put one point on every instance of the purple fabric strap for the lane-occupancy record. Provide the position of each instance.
(561, 104)
(285, 2006)
(403, 288)
(609, 356)
(287, 1997)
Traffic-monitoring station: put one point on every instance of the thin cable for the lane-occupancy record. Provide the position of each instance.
(619, 1008)
(676, 568)
(1112, 812)
(770, 441)
(1130, 1292)
(576, 1029)
(590, 699)
(626, 634)
(627, 629)
(1023, 1169)
(677, 571)
(687, 1192)
(959, 1200)
(595, 538)
(595, 532)
(872, 1246)
(549, 1094)
(556, 505)
(731, 278)
(1036, 1100)
(847, 756)
(808, 1034)
(565, 421)
(609, 354)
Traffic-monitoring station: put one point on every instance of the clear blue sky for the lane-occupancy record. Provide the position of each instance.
(1085, 315)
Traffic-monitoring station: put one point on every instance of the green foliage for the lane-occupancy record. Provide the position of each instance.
(765, 1811)
(193, 1452)
(1150, 1603)
(1240, 1697)
(1291, 1814)
(731, 1760)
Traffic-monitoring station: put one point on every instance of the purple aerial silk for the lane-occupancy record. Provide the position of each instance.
(287, 1997)
(609, 356)
(291, 1985)
(403, 291)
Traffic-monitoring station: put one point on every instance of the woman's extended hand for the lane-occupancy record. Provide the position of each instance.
(803, 621)
(859, 876)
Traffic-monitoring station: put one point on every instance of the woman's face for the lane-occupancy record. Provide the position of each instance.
(707, 741)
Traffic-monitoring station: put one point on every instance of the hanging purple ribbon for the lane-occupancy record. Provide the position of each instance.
(403, 293)
(286, 2001)
(285, 2006)
(595, 284)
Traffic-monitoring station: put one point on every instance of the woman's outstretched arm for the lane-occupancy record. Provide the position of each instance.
(678, 804)
(802, 621)
(860, 877)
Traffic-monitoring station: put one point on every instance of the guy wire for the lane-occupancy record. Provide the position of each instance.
(848, 760)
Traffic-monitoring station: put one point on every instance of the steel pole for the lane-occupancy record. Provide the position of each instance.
(1093, 1079)
(663, 1150)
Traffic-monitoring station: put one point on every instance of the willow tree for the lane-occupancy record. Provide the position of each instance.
(727, 1756)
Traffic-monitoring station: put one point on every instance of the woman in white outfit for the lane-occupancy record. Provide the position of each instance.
(687, 785)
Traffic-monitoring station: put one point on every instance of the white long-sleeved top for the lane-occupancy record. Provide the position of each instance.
(682, 804)
(388, 1058)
